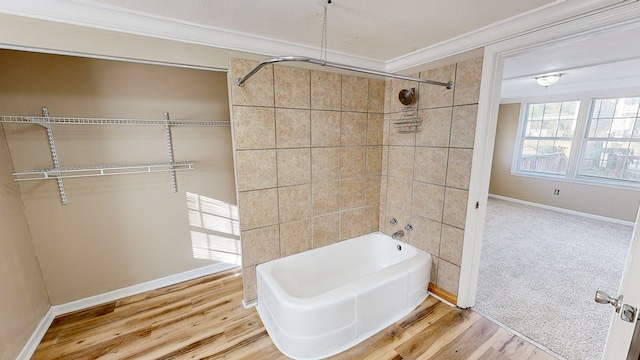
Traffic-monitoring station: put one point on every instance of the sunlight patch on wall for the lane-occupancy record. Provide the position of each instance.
(218, 229)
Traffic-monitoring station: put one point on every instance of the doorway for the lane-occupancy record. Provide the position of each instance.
(586, 75)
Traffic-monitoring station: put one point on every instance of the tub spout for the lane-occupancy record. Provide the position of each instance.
(397, 235)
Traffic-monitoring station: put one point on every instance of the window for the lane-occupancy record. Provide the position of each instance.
(547, 136)
(611, 145)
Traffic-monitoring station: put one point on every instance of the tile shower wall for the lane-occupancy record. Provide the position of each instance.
(425, 175)
(308, 150)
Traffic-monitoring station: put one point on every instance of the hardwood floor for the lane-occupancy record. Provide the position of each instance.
(204, 319)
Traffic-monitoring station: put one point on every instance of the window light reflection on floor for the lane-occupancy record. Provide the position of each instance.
(218, 229)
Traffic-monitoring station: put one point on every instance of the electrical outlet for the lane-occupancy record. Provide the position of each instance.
(556, 192)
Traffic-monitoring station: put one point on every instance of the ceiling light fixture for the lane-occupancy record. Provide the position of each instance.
(548, 80)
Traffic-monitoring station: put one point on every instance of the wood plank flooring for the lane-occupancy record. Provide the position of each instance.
(204, 319)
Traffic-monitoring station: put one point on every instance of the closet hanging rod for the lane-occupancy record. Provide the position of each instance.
(104, 121)
(241, 81)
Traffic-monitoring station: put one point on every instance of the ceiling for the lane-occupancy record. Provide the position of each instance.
(605, 62)
(393, 36)
(379, 34)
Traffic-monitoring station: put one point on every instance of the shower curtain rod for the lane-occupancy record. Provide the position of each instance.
(241, 81)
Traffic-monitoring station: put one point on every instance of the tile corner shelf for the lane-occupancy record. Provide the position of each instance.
(58, 173)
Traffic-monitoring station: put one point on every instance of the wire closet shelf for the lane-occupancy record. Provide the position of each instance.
(58, 172)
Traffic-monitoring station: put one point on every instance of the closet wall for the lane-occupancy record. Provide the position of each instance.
(117, 231)
(23, 299)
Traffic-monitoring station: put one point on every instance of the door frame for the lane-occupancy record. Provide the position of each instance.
(623, 14)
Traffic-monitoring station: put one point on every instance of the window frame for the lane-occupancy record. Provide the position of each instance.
(521, 138)
(578, 142)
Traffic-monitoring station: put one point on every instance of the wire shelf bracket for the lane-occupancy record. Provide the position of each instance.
(58, 173)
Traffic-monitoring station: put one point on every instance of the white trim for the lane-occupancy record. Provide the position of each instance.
(521, 24)
(488, 103)
(562, 210)
(249, 304)
(56, 310)
(140, 288)
(441, 299)
(105, 17)
(36, 337)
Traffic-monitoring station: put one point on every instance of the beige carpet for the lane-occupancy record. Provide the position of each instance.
(540, 270)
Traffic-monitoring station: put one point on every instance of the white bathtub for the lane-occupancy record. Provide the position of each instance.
(320, 302)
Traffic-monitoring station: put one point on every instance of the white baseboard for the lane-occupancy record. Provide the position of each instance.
(561, 210)
(55, 310)
(36, 337)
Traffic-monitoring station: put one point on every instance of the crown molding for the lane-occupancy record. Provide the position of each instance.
(94, 15)
(88, 14)
(551, 14)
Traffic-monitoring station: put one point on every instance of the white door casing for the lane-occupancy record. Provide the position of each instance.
(620, 331)
(494, 55)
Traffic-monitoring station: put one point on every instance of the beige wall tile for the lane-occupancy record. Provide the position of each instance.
(399, 194)
(428, 200)
(325, 164)
(459, 168)
(372, 190)
(257, 91)
(294, 166)
(397, 138)
(326, 197)
(351, 223)
(295, 237)
(385, 161)
(254, 127)
(436, 127)
(249, 283)
(374, 160)
(463, 126)
(455, 207)
(293, 128)
(292, 87)
(401, 161)
(355, 93)
(467, 87)
(375, 126)
(258, 208)
(383, 189)
(426, 234)
(451, 244)
(294, 203)
(352, 193)
(353, 161)
(325, 128)
(382, 222)
(431, 165)
(434, 269)
(386, 132)
(256, 169)
(326, 229)
(260, 245)
(353, 129)
(326, 91)
(448, 276)
(376, 96)
(403, 218)
(371, 219)
(433, 96)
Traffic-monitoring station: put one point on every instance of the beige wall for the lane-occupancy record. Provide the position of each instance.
(314, 149)
(308, 147)
(16, 31)
(426, 174)
(116, 231)
(23, 297)
(610, 202)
